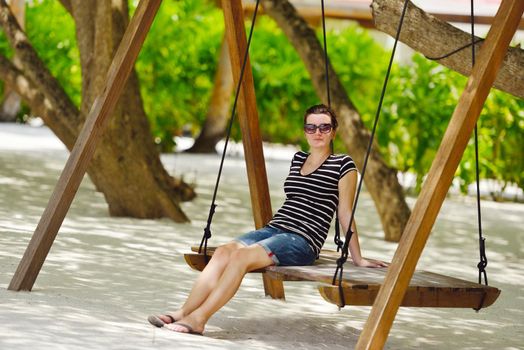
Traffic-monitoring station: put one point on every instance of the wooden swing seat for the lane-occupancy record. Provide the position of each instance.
(361, 284)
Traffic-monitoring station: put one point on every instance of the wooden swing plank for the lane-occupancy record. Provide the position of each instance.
(443, 296)
(361, 284)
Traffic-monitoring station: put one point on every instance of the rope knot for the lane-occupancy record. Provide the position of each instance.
(342, 260)
(483, 259)
(207, 233)
(482, 265)
(338, 241)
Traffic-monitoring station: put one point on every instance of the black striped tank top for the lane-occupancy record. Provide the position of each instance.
(311, 200)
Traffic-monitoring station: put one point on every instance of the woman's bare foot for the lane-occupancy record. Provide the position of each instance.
(188, 324)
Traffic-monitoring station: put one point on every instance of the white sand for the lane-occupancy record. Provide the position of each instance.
(104, 275)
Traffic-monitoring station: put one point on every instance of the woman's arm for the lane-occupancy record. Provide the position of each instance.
(346, 189)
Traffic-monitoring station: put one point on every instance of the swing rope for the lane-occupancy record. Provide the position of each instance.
(344, 245)
(339, 243)
(344, 254)
(207, 229)
(483, 259)
(326, 57)
(473, 43)
(482, 246)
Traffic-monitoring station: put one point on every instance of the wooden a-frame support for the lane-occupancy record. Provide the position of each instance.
(439, 179)
(76, 166)
(84, 148)
(249, 125)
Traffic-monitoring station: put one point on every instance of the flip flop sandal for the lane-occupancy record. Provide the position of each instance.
(190, 329)
(158, 322)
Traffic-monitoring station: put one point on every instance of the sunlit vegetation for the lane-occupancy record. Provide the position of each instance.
(177, 65)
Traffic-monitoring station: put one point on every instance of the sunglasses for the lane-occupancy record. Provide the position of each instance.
(312, 128)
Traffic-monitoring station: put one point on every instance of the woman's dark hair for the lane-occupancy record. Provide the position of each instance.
(322, 109)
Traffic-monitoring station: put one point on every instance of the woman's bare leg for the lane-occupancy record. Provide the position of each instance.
(206, 281)
(241, 261)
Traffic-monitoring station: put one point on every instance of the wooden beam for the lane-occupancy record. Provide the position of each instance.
(248, 114)
(440, 38)
(249, 125)
(445, 297)
(76, 166)
(439, 179)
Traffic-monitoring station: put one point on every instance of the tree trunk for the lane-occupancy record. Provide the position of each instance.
(10, 106)
(381, 180)
(126, 166)
(433, 37)
(11, 103)
(215, 124)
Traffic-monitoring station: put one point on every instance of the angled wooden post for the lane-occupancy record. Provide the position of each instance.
(439, 179)
(249, 125)
(84, 148)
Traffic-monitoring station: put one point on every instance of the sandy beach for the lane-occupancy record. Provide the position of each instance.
(104, 275)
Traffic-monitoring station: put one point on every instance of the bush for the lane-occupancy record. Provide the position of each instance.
(177, 65)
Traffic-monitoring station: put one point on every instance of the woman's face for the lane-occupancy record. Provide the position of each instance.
(319, 139)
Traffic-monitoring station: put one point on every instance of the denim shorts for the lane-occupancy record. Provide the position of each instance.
(284, 248)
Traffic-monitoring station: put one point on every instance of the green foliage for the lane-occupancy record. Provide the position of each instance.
(501, 142)
(51, 30)
(5, 48)
(177, 65)
(282, 84)
(417, 110)
(360, 63)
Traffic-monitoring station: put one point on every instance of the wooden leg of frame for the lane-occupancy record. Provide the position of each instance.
(273, 287)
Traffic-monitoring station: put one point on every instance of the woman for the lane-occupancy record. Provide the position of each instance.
(318, 183)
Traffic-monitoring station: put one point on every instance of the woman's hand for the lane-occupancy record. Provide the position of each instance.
(370, 263)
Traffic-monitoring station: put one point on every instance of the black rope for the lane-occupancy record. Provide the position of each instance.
(475, 41)
(483, 260)
(207, 229)
(339, 243)
(482, 241)
(326, 58)
(349, 233)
